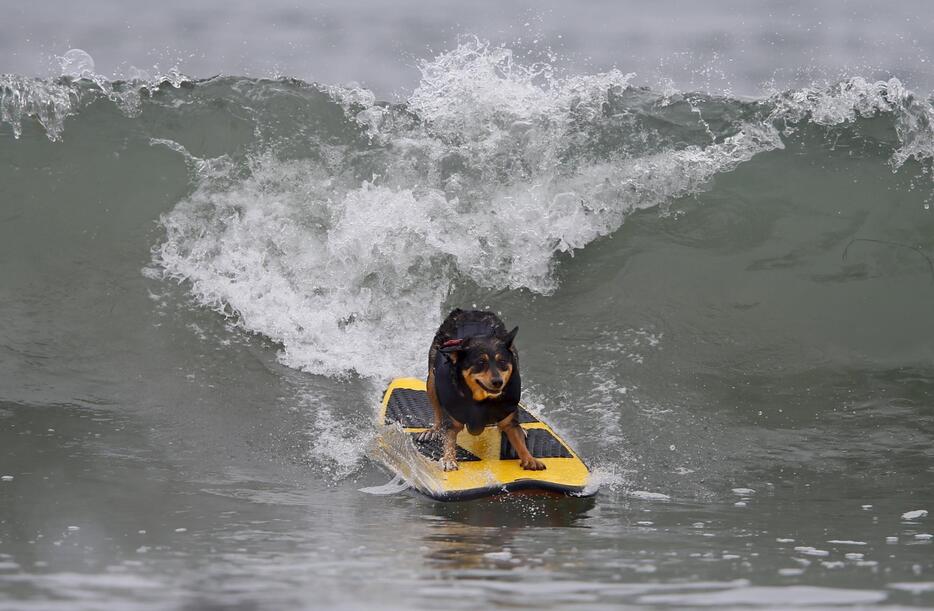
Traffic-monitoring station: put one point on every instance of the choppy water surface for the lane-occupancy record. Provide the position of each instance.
(724, 303)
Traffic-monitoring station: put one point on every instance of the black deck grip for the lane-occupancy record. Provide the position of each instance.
(540, 442)
(434, 448)
(525, 417)
(410, 408)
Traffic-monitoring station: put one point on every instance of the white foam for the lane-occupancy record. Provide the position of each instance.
(767, 596)
(48, 103)
(915, 514)
(645, 495)
(336, 268)
(51, 102)
(858, 97)
(811, 551)
(394, 486)
(915, 587)
(502, 556)
(605, 475)
(337, 445)
(77, 64)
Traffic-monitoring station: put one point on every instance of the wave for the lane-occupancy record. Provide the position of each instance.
(337, 224)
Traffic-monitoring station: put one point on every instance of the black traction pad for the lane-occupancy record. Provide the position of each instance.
(412, 410)
(409, 408)
(540, 442)
(433, 449)
(525, 417)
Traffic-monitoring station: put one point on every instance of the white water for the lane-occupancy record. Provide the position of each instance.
(335, 268)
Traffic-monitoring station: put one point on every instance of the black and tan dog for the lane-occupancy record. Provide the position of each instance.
(473, 381)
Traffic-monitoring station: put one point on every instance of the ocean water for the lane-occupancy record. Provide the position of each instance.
(712, 226)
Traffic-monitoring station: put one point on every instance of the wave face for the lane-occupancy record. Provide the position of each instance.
(337, 225)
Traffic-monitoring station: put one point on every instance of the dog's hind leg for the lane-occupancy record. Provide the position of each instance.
(435, 431)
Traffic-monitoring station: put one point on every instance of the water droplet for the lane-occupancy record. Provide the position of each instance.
(76, 64)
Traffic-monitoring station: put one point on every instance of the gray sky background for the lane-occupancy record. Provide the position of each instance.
(725, 45)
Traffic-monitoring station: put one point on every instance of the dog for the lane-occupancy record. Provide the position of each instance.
(473, 382)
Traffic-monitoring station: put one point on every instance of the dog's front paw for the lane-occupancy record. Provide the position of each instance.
(429, 435)
(532, 464)
(448, 464)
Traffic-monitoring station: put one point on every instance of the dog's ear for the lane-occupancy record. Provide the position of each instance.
(510, 337)
(452, 349)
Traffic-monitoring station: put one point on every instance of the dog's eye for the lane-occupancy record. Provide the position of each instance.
(479, 367)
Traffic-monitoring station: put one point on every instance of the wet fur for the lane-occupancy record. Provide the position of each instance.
(486, 365)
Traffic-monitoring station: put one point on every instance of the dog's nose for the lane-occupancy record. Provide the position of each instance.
(497, 382)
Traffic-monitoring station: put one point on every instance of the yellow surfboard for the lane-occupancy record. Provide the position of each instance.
(487, 463)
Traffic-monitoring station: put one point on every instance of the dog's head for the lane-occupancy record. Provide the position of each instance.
(485, 363)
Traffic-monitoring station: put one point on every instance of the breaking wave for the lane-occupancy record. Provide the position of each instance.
(336, 224)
